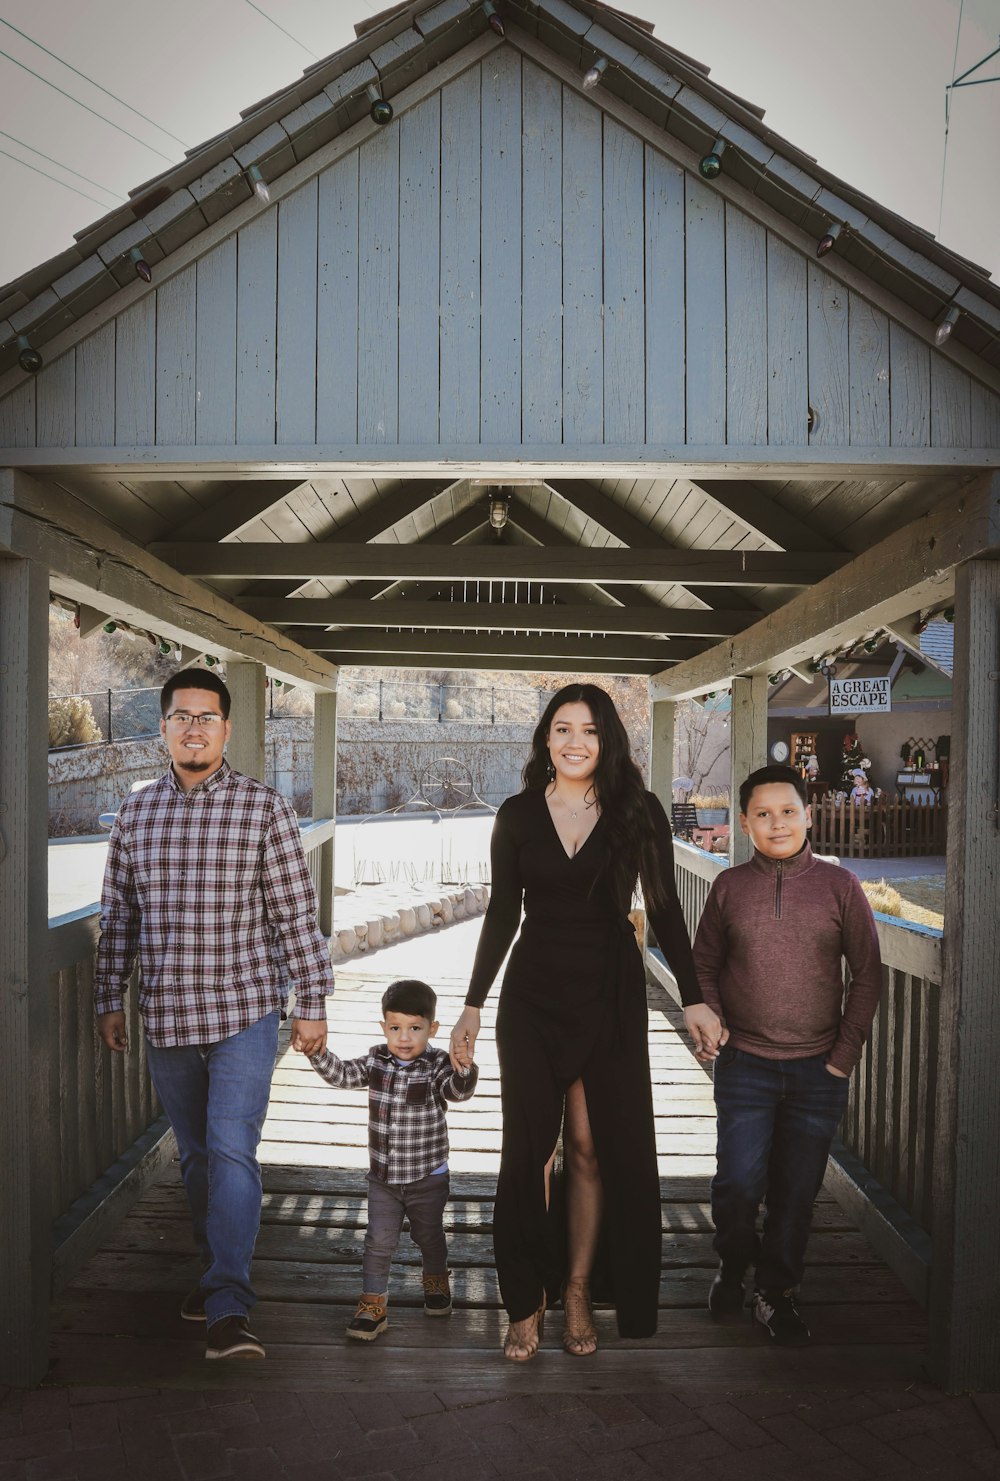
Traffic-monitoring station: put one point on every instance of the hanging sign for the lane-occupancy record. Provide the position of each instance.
(861, 696)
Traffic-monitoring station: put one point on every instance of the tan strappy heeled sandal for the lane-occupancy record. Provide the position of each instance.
(521, 1339)
(580, 1338)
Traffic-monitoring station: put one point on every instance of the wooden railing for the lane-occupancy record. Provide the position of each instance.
(884, 1162)
(888, 828)
(107, 1135)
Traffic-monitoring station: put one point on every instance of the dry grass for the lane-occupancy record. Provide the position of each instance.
(920, 899)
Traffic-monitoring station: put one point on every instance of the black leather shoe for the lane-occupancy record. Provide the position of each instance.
(232, 1338)
(193, 1305)
(778, 1314)
(726, 1295)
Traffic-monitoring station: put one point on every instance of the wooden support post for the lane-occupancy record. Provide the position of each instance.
(661, 750)
(26, 1126)
(246, 745)
(748, 750)
(965, 1267)
(325, 797)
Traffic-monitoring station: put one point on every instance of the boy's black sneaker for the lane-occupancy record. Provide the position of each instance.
(777, 1313)
(437, 1295)
(369, 1320)
(232, 1338)
(726, 1294)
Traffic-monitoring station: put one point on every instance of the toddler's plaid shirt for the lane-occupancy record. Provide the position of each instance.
(211, 888)
(407, 1129)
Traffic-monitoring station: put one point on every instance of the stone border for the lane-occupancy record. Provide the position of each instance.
(383, 915)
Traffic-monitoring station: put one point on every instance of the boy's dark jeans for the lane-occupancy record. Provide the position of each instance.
(776, 1120)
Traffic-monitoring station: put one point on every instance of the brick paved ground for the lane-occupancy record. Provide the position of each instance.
(103, 1434)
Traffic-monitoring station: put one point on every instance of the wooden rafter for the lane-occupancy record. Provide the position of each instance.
(752, 507)
(498, 616)
(358, 642)
(305, 562)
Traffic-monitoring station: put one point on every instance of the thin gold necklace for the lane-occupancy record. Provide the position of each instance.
(573, 812)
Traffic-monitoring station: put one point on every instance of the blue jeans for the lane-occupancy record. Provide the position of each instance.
(216, 1097)
(776, 1120)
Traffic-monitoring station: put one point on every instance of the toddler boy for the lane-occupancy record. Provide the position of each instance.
(768, 956)
(409, 1082)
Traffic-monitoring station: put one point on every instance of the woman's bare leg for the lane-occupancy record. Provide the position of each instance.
(584, 1207)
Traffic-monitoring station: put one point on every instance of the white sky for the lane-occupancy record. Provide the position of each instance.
(860, 84)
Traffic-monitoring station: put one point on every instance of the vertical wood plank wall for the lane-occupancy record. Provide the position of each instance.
(502, 264)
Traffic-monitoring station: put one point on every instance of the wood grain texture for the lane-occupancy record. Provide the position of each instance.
(501, 236)
(378, 288)
(256, 311)
(787, 353)
(176, 350)
(705, 278)
(665, 291)
(95, 388)
(461, 186)
(419, 271)
(298, 244)
(747, 378)
(337, 303)
(624, 286)
(55, 389)
(829, 360)
(135, 374)
(748, 750)
(245, 750)
(951, 404)
(583, 324)
(910, 388)
(215, 368)
(17, 416)
(541, 207)
(869, 353)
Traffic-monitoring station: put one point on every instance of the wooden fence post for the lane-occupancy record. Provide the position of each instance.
(26, 1123)
(325, 797)
(965, 1269)
(661, 750)
(748, 750)
(245, 752)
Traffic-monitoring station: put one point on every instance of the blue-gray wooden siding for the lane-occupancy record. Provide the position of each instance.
(504, 264)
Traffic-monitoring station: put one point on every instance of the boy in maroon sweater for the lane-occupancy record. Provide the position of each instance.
(768, 956)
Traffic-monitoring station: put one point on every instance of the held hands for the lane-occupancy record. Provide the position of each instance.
(309, 1035)
(832, 1070)
(111, 1027)
(708, 1032)
(462, 1044)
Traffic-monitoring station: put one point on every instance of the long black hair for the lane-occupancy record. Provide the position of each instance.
(618, 786)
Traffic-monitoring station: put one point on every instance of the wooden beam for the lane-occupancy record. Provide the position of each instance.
(234, 511)
(388, 509)
(91, 562)
(911, 568)
(747, 751)
(326, 560)
(29, 1133)
(498, 616)
(508, 663)
(752, 507)
(965, 1269)
(356, 641)
(245, 751)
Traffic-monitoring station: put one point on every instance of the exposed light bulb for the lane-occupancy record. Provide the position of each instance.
(381, 109)
(826, 241)
(710, 164)
(259, 184)
(490, 12)
(945, 326)
(594, 74)
(28, 358)
(142, 267)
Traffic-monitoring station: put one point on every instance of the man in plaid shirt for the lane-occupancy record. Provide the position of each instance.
(409, 1082)
(206, 882)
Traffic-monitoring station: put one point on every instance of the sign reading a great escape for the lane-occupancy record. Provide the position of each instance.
(860, 696)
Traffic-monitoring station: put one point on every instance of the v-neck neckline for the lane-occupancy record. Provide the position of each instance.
(570, 858)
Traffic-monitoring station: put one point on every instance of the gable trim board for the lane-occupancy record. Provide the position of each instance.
(859, 408)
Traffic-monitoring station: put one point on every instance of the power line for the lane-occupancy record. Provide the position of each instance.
(25, 68)
(281, 28)
(63, 63)
(28, 166)
(67, 168)
(947, 116)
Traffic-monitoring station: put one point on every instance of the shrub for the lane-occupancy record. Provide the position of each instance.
(710, 799)
(72, 722)
(883, 897)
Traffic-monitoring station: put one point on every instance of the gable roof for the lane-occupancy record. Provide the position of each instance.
(409, 40)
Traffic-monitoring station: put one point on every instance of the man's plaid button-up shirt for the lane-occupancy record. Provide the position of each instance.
(407, 1127)
(210, 888)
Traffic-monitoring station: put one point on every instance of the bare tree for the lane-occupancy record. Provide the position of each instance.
(702, 740)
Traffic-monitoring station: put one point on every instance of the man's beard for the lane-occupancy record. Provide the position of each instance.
(193, 765)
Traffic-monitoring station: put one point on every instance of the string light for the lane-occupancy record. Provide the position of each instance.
(826, 241)
(710, 164)
(594, 74)
(490, 12)
(142, 267)
(945, 326)
(259, 184)
(28, 358)
(381, 109)
(110, 627)
(165, 646)
(948, 614)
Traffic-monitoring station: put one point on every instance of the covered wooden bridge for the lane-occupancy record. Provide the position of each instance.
(569, 364)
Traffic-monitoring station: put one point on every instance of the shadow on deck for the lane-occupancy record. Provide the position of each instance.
(117, 1323)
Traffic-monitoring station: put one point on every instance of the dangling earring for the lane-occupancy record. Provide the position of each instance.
(550, 770)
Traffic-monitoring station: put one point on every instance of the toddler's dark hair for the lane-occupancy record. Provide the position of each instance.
(764, 775)
(408, 995)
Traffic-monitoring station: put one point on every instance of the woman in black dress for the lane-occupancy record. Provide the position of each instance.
(572, 1023)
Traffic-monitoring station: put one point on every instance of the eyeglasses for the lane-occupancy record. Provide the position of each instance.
(184, 721)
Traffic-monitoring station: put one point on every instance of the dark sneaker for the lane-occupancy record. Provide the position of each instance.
(370, 1320)
(193, 1305)
(437, 1295)
(777, 1313)
(726, 1295)
(232, 1338)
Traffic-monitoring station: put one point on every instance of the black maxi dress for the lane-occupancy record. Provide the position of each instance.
(572, 1006)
